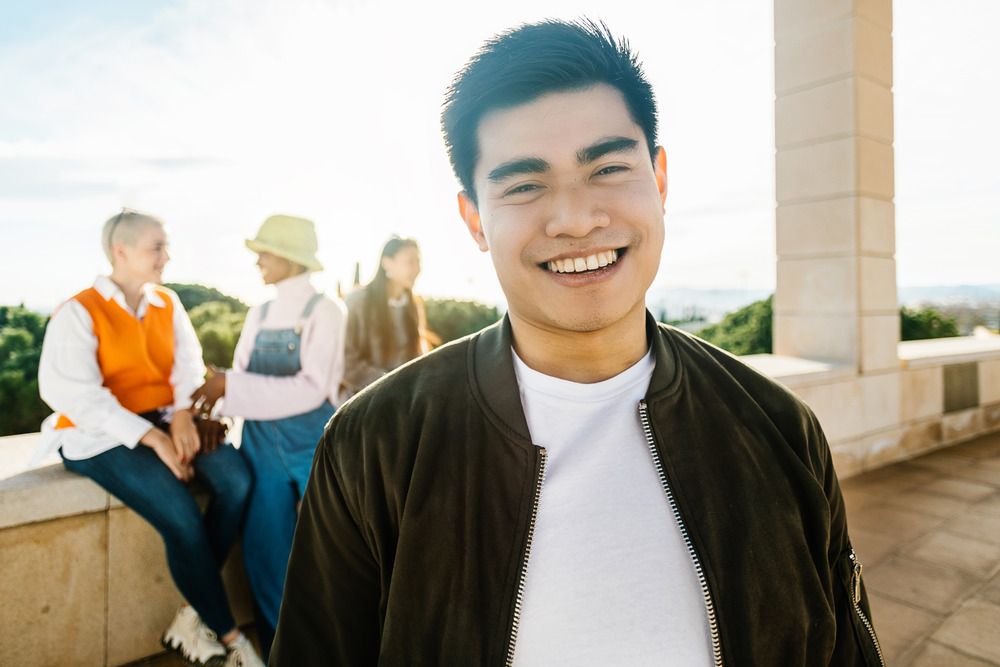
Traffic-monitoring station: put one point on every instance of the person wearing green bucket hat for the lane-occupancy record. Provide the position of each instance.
(287, 369)
(288, 237)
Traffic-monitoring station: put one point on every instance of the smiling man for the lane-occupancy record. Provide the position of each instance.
(577, 484)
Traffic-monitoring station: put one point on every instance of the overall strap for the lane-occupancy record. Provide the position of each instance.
(263, 311)
(308, 311)
(311, 304)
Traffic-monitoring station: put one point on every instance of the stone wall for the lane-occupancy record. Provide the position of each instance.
(83, 579)
(943, 392)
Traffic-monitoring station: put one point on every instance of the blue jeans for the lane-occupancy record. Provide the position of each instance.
(196, 546)
(279, 455)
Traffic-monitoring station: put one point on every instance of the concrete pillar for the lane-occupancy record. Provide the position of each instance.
(836, 273)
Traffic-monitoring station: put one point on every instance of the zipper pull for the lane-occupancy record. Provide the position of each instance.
(856, 578)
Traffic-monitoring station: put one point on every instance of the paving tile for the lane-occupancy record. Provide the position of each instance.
(991, 591)
(859, 496)
(984, 472)
(930, 504)
(872, 546)
(989, 505)
(900, 626)
(936, 655)
(901, 524)
(981, 448)
(943, 461)
(892, 479)
(972, 629)
(932, 587)
(982, 525)
(959, 551)
(962, 489)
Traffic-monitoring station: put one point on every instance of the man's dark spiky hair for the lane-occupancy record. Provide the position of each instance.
(524, 63)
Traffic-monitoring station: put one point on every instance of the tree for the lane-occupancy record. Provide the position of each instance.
(21, 334)
(745, 331)
(217, 319)
(451, 319)
(926, 323)
(192, 296)
(218, 328)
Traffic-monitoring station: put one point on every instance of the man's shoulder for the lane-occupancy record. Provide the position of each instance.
(432, 376)
(699, 358)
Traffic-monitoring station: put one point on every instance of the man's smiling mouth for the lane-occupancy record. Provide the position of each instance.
(581, 264)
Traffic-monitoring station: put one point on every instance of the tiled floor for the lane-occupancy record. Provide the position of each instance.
(928, 534)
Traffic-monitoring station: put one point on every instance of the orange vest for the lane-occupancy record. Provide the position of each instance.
(136, 357)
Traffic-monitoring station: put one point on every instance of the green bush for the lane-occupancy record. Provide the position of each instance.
(21, 334)
(926, 323)
(451, 318)
(745, 331)
(217, 320)
(218, 330)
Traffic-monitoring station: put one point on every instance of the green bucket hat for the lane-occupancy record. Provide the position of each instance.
(289, 237)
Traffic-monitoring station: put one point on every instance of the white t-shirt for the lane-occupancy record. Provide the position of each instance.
(609, 580)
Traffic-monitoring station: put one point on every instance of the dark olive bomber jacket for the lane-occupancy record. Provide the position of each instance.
(410, 545)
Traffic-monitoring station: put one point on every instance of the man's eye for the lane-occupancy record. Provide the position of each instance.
(611, 170)
(527, 187)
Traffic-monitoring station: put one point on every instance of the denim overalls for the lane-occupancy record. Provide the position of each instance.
(279, 454)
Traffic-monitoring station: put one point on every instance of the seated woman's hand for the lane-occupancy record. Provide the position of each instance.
(163, 445)
(184, 433)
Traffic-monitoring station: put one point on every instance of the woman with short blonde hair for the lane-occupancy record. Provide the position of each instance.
(118, 365)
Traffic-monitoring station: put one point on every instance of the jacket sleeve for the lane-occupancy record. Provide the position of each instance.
(857, 643)
(330, 608)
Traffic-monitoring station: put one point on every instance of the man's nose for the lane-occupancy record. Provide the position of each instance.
(575, 212)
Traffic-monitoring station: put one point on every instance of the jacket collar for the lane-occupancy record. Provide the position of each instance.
(665, 371)
(491, 368)
(492, 373)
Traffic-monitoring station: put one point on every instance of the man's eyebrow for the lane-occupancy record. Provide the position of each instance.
(528, 165)
(602, 148)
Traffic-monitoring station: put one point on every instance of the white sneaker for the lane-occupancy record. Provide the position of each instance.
(192, 639)
(242, 654)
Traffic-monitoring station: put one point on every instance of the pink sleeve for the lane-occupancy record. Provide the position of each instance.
(265, 397)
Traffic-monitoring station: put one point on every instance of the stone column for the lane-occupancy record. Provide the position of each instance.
(836, 273)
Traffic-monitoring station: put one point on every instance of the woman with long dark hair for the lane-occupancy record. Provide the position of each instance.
(386, 324)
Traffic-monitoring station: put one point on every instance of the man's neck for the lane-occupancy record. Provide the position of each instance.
(582, 356)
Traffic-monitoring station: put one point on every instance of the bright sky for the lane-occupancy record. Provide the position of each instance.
(214, 114)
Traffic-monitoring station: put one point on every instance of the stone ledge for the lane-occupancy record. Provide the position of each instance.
(48, 493)
(946, 351)
(798, 372)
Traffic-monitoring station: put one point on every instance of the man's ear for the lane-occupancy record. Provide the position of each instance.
(467, 209)
(660, 169)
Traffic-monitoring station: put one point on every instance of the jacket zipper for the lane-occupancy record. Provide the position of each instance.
(856, 601)
(519, 599)
(713, 624)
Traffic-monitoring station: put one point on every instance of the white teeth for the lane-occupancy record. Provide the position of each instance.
(579, 264)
